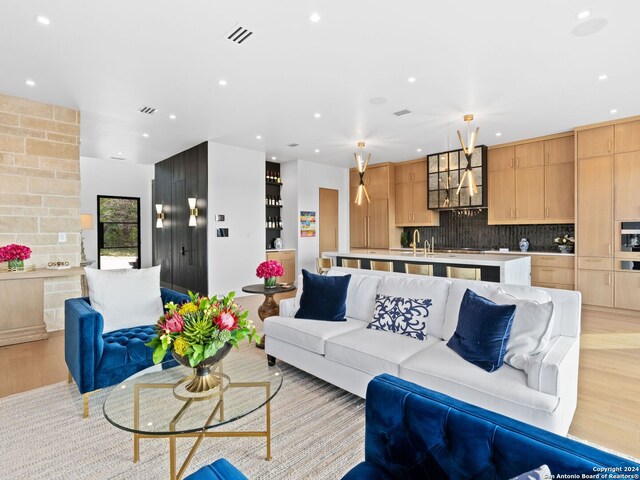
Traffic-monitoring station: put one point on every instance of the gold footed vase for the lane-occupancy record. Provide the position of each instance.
(203, 379)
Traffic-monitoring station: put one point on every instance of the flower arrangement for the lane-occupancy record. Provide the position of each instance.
(567, 240)
(269, 270)
(197, 329)
(15, 255)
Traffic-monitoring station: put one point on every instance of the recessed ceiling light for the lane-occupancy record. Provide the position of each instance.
(120, 153)
(145, 135)
(172, 116)
(43, 20)
(316, 115)
(258, 137)
(584, 14)
(418, 149)
(274, 158)
(222, 82)
(314, 17)
(411, 79)
(30, 83)
(317, 150)
(498, 134)
(604, 76)
(613, 110)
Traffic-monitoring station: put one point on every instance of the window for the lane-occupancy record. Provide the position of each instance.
(118, 232)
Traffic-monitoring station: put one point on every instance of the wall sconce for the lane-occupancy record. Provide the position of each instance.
(159, 216)
(193, 212)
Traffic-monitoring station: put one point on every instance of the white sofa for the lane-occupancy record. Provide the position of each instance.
(349, 355)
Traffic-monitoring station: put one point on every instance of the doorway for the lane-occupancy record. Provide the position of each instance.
(328, 224)
(118, 232)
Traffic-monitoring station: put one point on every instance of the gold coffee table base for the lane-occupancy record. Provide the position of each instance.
(201, 434)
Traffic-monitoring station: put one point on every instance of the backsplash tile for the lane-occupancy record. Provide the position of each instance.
(459, 231)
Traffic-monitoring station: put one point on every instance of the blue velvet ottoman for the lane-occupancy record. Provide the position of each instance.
(221, 469)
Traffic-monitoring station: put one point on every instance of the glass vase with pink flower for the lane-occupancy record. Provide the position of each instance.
(15, 255)
(270, 270)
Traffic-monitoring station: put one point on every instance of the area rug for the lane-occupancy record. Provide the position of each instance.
(317, 433)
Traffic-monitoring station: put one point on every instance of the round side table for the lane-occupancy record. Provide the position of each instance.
(269, 307)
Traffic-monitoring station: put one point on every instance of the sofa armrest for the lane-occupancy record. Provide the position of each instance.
(287, 307)
(555, 370)
(173, 296)
(83, 343)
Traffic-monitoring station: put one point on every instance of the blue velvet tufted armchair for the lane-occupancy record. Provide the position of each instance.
(97, 360)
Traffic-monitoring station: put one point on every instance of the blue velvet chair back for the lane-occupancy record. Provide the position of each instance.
(415, 433)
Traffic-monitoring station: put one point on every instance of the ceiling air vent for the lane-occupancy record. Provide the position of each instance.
(400, 113)
(293, 145)
(148, 110)
(238, 34)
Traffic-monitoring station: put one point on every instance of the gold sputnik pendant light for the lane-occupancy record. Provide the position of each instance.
(362, 167)
(468, 153)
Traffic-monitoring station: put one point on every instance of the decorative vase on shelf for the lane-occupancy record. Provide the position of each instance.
(203, 379)
(15, 265)
(270, 282)
(565, 248)
(524, 244)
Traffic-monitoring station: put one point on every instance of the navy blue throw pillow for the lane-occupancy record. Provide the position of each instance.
(323, 297)
(483, 331)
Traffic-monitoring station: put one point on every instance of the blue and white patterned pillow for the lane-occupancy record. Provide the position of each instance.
(406, 316)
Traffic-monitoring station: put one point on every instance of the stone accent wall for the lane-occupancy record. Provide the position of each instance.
(40, 190)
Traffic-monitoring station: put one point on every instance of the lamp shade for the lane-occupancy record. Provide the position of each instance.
(86, 221)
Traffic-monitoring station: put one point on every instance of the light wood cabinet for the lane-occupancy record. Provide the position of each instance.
(596, 287)
(627, 137)
(532, 182)
(378, 223)
(595, 142)
(357, 221)
(553, 271)
(595, 207)
(288, 261)
(627, 287)
(377, 181)
(595, 263)
(411, 196)
(627, 183)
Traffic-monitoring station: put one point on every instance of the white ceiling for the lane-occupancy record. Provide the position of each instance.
(514, 64)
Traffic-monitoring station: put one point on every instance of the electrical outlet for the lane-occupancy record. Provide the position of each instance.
(62, 237)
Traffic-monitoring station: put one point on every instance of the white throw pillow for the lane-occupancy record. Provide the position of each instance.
(406, 316)
(361, 295)
(432, 288)
(125, 298)
(530, 331)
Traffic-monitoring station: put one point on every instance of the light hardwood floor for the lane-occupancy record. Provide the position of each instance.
(608, 393)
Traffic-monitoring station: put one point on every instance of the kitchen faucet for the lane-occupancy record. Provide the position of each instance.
(415, 242)
(427, 247)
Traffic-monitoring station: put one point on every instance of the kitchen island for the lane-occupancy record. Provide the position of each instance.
(512, 269)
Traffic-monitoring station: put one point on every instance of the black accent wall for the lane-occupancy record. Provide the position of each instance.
(459, 231)
(179, 248)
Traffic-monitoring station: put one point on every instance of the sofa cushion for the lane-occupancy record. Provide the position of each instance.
(323, 298)
(405, 316)
(531, 329)
(504, 391)
(485, 289)
(361, 295)
(373, 351)
(432, 288)
(308, 335)
(483, 331)
(125, 298)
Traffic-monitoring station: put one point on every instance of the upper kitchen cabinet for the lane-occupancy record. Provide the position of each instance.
(411, 196)
(627, 177)
(372, 224)
(627, 137)
(531, 182)
(595, 142)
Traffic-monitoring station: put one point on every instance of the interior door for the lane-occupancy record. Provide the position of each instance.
(328, 221)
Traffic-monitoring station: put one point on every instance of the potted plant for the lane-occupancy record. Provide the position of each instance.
(565, 243)
(404, 239)
(15, 255)
(200, 333)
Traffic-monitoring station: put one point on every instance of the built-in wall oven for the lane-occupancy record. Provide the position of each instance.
(630, 243)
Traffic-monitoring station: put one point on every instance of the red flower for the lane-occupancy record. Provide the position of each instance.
(270, 268)
(172, 323)
(226, 320)
(14, 252)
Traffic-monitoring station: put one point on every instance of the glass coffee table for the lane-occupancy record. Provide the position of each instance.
(154, 404)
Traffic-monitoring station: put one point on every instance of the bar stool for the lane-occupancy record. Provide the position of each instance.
(382, 266)
(351, 263)
(418, 269)
(463, 273)
(323, 265)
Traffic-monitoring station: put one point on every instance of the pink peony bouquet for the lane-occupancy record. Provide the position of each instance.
(269, 269)
(14, 252)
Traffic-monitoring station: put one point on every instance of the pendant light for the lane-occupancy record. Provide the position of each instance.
(362, 167)
(468, 153)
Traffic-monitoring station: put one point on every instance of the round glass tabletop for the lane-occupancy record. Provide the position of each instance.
(152, 402)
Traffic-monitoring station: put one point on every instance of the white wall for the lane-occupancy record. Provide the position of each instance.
(308, 178)
(119, 178)
(237, 191)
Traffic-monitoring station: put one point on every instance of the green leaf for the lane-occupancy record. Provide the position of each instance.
(153, 343)
(210, 350)
(197, 348)
(158, 354)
